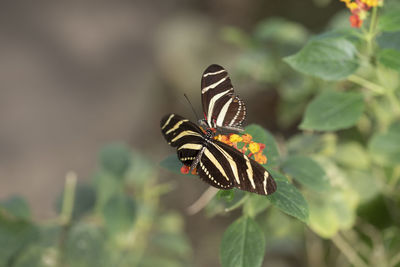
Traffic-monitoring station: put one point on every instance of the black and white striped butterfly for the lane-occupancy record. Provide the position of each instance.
(218, 164)
(222, 109)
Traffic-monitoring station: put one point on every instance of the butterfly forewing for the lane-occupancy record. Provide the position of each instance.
(221, 107)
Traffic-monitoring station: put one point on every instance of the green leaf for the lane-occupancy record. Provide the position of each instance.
(307, 172)
(389, 40)
(325, 58)
(115, 158)
(119, 213)
(288, 199)
(385, 147)
(255, 204)
(261, 135)
(331, 111)
(228, 195)
(85, 247)
(352, 155)
(390, 58)
(243, 244)
(15, 236)
(17, 206)
(390, 21)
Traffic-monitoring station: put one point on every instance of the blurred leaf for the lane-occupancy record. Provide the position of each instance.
(115, 158)
(84, 201)
(390, 21)
(141, 169)
(390, 58)
(84, 247)
(106, 186)
(171, 222)
(385, 147)
(352, 155)
(15, 236)
(326, 58)
(255, 204)
(174, 244)
(332, 111)
(307, 143)
(243, 244)
(389, 40)
(157, 260)
(31, 257)
(364, 183)
(218, 204)
(228, 195)
(332, 211)
(119, 213)
(306, 171)
(17, 206)
(261, 135)
(281, 30)
(287, 198)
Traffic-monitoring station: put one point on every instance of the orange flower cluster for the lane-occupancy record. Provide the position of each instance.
(256, 149)
(359, 10)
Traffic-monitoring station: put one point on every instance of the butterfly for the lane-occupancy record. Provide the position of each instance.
(222, 109)
(217, 163)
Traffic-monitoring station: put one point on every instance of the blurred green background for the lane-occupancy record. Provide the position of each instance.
(78, 75)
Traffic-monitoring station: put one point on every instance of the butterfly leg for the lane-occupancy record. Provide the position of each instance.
(197, 159)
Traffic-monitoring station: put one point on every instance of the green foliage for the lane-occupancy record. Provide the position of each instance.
(307, 172)
(288, 199)
(332, 111)
(242, 244)
(390, 58)
(326, 58)
(99, 223)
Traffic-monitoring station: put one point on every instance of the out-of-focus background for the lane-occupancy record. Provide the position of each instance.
(76, 75)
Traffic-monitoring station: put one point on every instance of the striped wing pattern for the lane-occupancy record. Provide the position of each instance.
(221, 107)
(220, 165)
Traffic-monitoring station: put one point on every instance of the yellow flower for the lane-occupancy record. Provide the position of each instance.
(234, 138)
(371, 2)
(247, 138)
(352, 6)
(254, 147)
(260, 158)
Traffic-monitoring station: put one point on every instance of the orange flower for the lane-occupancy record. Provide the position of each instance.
(355, 21)
(260, 158)
(247, 138)
(223, 139)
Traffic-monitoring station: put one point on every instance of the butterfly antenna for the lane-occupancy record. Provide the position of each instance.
(194, 111)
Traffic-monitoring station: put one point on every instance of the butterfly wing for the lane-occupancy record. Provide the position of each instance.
(189, 140)
(221, 107)
(241, 171)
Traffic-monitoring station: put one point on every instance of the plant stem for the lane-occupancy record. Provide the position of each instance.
(371, 33)
(203, 200)
(68, 198)
(348, 251)
(66, 214)
(377, 89)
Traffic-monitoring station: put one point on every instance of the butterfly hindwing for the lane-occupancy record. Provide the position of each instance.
(221, 107)
(244, 172)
